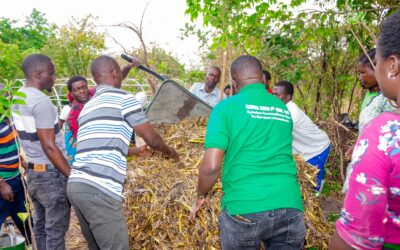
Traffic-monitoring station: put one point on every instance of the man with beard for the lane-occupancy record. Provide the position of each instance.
(207, 91)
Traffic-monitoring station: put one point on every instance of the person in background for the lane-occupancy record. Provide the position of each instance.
(262, 200)
(374, 102)
(12, 192)
(267, 80)
(370, 217)
(79, 94)
(207, 91)
(77, 89)
(40, 137)
(309, 141)
(228, 91)
(98, 172)
(64, 114)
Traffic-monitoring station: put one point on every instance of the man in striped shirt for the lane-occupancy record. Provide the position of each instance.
(12, 198)
(98, 174)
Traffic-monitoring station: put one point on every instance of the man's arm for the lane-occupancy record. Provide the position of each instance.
(154, 140)
(125, 70)
(47, 140)
(209, 172)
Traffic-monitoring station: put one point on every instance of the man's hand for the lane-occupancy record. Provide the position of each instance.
(173, 154)
(125, 70)
(154, 140)
(139, 151)
(197, 204)
(136, 63)
(6, 191)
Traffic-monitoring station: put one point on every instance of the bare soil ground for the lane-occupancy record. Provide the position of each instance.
(74, 238)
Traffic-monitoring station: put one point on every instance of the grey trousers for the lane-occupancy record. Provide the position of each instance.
(52, 209)
(101, 217)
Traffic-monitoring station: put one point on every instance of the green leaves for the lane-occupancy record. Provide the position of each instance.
(7, 94)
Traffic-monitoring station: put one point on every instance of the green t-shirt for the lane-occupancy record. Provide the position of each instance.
(258, 173)
(369, 96)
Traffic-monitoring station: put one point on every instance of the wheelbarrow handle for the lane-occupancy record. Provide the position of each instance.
(144, 68)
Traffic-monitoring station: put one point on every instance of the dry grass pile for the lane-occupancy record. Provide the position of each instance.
(342, 139)
(159, 195)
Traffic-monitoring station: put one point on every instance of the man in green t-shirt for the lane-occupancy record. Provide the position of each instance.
(249, 136)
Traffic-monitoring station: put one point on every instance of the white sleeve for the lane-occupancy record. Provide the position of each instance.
(295, 113)
(64, 113)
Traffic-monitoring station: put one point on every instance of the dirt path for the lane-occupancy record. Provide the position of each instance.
(74, 237)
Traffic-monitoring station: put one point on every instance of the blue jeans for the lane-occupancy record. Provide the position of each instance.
(319, 162)
(278, 229)
(12, 208)
(52, 209)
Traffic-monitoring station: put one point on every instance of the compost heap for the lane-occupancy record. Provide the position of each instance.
(159, 194)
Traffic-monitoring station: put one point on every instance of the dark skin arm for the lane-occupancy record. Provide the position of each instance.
(154, 140)
(139, 151)
(125, 70)
(6, 191)
(48, 142)
(209, 172)
(338, 244)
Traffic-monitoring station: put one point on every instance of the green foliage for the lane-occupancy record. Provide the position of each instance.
(75, 46)
(6, 99)
(10, 61)
(309, 43)
(33, 35)
(164, 63)
(17, 42)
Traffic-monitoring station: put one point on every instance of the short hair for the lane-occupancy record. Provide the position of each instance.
(102, 62)
(215, 67)
(246, 63)
(287, 86)
(363, 59)
(73, 80)
(267, 75)
(389, 37)
(227, 87)
(32, 62)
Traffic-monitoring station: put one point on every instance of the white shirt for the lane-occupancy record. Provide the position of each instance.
(64, 113)
(308, 139)
(212, 98)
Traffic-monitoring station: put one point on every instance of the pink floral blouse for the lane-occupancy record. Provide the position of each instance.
(371, 212)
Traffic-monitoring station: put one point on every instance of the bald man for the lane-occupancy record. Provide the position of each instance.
(98, 173)
(250, 133)
(40, 137)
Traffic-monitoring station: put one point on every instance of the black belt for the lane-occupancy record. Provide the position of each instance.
(32, 166)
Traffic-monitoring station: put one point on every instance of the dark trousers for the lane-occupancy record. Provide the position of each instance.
(281, 229)
(101, 217)
(12, 208)
(52, 209)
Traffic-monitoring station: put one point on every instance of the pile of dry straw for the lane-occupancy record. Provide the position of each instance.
(159, 195)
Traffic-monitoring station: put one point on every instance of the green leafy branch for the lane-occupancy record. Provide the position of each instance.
(6, 99)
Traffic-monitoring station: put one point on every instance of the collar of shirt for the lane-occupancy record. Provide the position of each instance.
(214, 92)
(253, 86)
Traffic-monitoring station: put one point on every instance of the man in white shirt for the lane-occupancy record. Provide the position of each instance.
(309, 141)
(207, 91)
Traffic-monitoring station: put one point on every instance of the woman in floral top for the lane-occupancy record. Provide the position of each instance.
(370, 217)
(374, 103)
